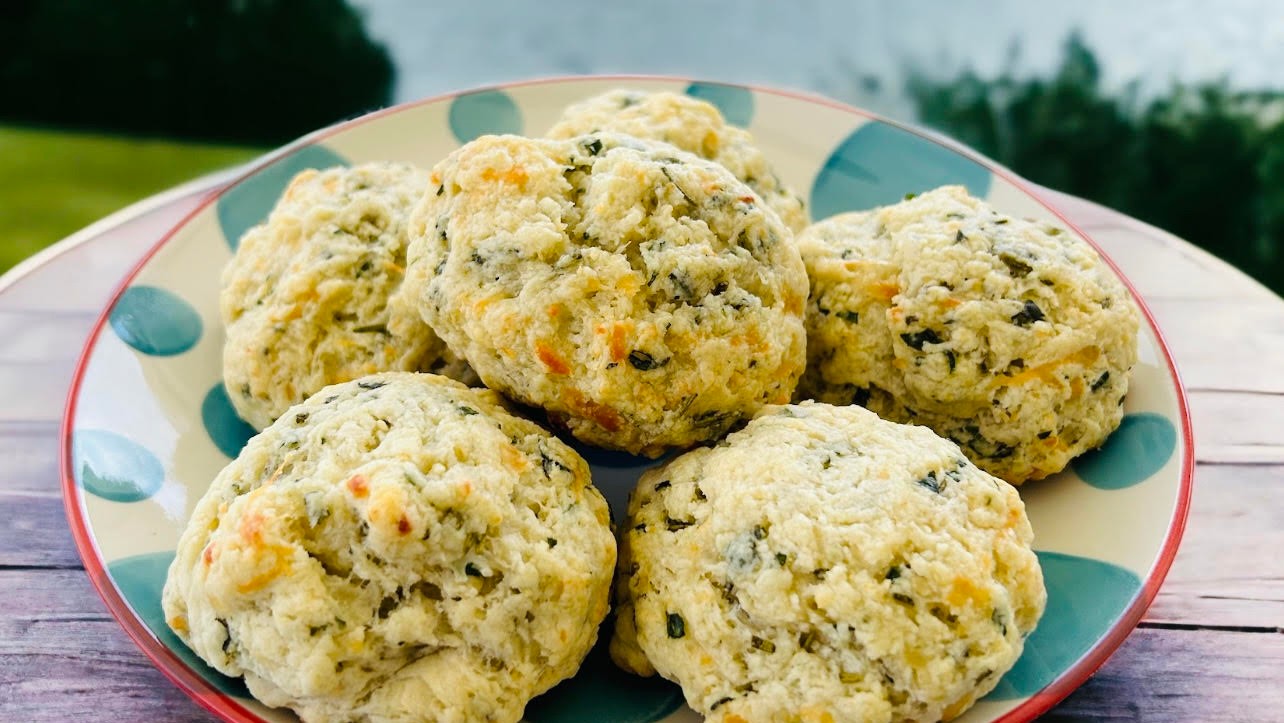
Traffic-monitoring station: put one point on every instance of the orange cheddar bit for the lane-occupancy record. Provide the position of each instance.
(813, 714)
(513, 458)
(965, 592)
(280, 566)
(1045, 372)
(515, 175)
(710, 143)
(950, 302)
(403, 526)
(207, 556)
(956, 708)
(551, 360)
(297, 182)
(1014, 517)
(604, 416)
(179, 623)
(618, 347)
(553, 310)
(794, 304)
(915, 657)
(884, 290)
(358, 486)
(251, 528)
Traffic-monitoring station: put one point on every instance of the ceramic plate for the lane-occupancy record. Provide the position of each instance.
(148, 424)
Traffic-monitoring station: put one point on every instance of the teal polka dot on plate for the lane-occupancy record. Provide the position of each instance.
(879, 164)
(114, 467)
(155, 321)
(1140, 447)
(734, 101)
(602, 692)
(140, 580)
(247, 204)
(486, 112)
(227, 430)
(1085, 597)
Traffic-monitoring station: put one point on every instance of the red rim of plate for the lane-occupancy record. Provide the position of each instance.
(230, 709)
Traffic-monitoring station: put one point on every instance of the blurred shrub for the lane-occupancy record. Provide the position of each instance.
(1204, 162)
(250, 71)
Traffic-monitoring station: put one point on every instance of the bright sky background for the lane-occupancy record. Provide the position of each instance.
(823, 46)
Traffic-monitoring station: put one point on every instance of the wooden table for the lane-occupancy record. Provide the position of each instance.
(1210, 649)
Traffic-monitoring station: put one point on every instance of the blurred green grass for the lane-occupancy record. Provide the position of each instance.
(54, 183)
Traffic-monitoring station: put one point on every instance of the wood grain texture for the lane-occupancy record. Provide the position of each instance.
(1234, 346)
(1210, 648)
(1184, 675)
(1228, 572)
(1238, 427)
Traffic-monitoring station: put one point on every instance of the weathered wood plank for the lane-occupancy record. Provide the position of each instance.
(34, 532)
(1222, 575)
(1237, 427)
(96, 673)
(1184, 675)
(1225, 345)
(63, 657)
(33, 335)
(1179, 276)
(29, 451)
(31, 593)
(35, 391)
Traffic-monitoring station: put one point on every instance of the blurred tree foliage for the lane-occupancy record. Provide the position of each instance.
(1204, 162)
(249, 71)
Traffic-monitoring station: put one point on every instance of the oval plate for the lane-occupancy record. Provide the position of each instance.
(147, 424)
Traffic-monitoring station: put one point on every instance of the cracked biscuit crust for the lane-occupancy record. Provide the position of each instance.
(396, 548)
(1010, 337)
(305, 299)
(826, 565)
(642, 296)
(694, 126)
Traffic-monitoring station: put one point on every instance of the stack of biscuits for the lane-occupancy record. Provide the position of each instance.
(849, 404)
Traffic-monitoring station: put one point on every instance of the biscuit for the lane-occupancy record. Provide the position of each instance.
(1008, 336)
(642, 296)
(694, 126)
(304, 301)
(826, 565)
(396, 548)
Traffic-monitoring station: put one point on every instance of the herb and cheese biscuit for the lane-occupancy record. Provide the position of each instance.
(396, 548)
(642, 296)
(1010, 337)
(305, 300)
(694, 126)
(824, 564)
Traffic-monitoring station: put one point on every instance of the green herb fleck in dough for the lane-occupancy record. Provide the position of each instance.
(1029, 313)
(677, 627)
(643, 361)
(916, 340)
